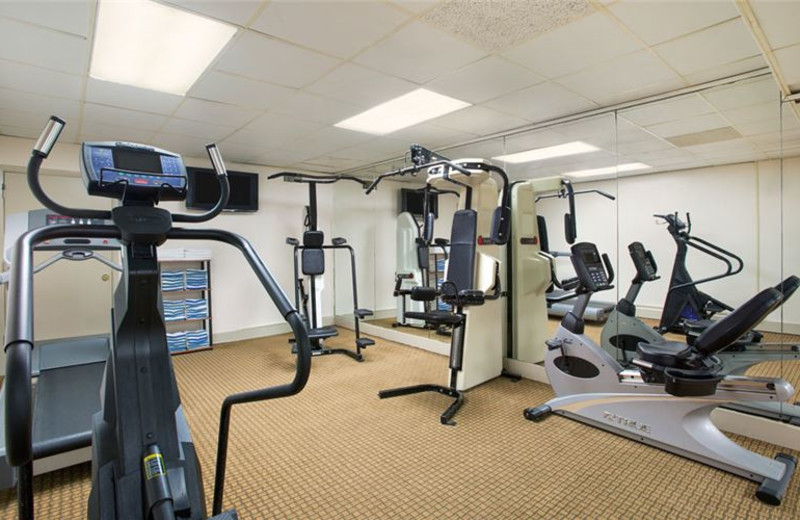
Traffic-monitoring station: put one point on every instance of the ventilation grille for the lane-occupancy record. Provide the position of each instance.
(494, 25)
(716, 135)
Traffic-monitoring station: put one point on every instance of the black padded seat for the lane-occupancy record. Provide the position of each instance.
(363, 313)
(323, 332)
(436, 317)
(667, 354)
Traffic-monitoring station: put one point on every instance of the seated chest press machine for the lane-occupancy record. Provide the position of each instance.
(472, 284)
(309, 260)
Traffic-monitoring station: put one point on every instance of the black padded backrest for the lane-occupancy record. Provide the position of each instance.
(312, 258)
(427, 227)
(788, 287)
(423, 257)
(544, 244)
(735, 325)
(461, 267)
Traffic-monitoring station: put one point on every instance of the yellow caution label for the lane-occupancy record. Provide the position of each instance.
(154, 466)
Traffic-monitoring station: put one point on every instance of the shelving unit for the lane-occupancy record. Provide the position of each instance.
(186, 282)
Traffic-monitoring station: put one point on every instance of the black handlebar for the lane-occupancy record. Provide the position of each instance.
(224, 189)
(308, 178)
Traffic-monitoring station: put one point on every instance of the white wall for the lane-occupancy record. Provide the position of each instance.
(240, 306)
(738, 207)
(369, 224)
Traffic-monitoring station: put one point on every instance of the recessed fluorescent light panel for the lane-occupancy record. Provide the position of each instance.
(540, 154)
(627, 167)
(150, 45)
(401, 112)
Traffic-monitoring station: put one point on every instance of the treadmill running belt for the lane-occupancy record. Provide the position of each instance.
(66, 400)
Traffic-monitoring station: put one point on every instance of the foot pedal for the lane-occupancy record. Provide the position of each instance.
(772, 491)
(364, 342)
(227, 515)
(537, 413)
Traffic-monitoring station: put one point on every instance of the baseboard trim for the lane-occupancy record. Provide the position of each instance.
(431, 345)
(261, 331)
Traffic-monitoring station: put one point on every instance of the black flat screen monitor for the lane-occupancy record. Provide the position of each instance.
(413, 201)
(203, 191)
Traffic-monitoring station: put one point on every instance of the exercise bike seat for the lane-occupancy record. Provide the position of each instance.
(435, 317)
(672, 354)
(323, 332)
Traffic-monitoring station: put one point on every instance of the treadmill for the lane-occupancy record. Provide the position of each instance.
(68, 372)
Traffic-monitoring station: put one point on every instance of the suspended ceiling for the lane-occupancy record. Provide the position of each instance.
(294, 69)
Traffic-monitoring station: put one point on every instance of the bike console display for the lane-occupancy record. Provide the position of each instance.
(129, 170)
(594, 272)
(643, 260)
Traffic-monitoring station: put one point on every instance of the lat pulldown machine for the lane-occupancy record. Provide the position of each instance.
(309, 259)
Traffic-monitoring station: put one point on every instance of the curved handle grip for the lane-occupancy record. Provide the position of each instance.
(39, 153)
(224, 189)
(49, 136)
(19, 403)
(609, 268)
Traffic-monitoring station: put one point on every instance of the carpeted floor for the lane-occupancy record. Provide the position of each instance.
(337, 451)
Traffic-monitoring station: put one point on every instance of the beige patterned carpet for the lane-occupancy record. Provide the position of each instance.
(337, 451)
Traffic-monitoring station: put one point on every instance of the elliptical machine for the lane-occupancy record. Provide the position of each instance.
(687, 310)
(624, 330)
(667, 400)
(144, 464)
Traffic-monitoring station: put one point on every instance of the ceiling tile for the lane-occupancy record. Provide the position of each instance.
(725, 43)
(744, 93)
(196, 129)
(282, 157)
(66, 109)
(329, 139)
(419, 53)
(236, 152)
(236, 90)
(495, 26)
(237, 12)
(68, 135)
(480, 120)
(789, 63)
(182, 144)
(42, 47)
(280, 127)
(215, 113)
(95, 131)
(415, 6)
(670, 110)
(643, 147)
(486, 79)
(70, 16)
(360, 86)
(431, 135)
(122, 117)
(541, 102)
(629, 77)
(338, 28)
(259, 57)
(532, 140)
(758, 127)
(40, 81)
(577, 45)
(377, 149)
(729, 69)
(656, 22)
(318, 109)
(778, 20)
(770, 111)
(133, 98)
(688, 125)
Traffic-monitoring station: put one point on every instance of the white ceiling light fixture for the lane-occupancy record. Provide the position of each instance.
(401, 112)
(627, 167)
(154, 46)
(550, 152)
